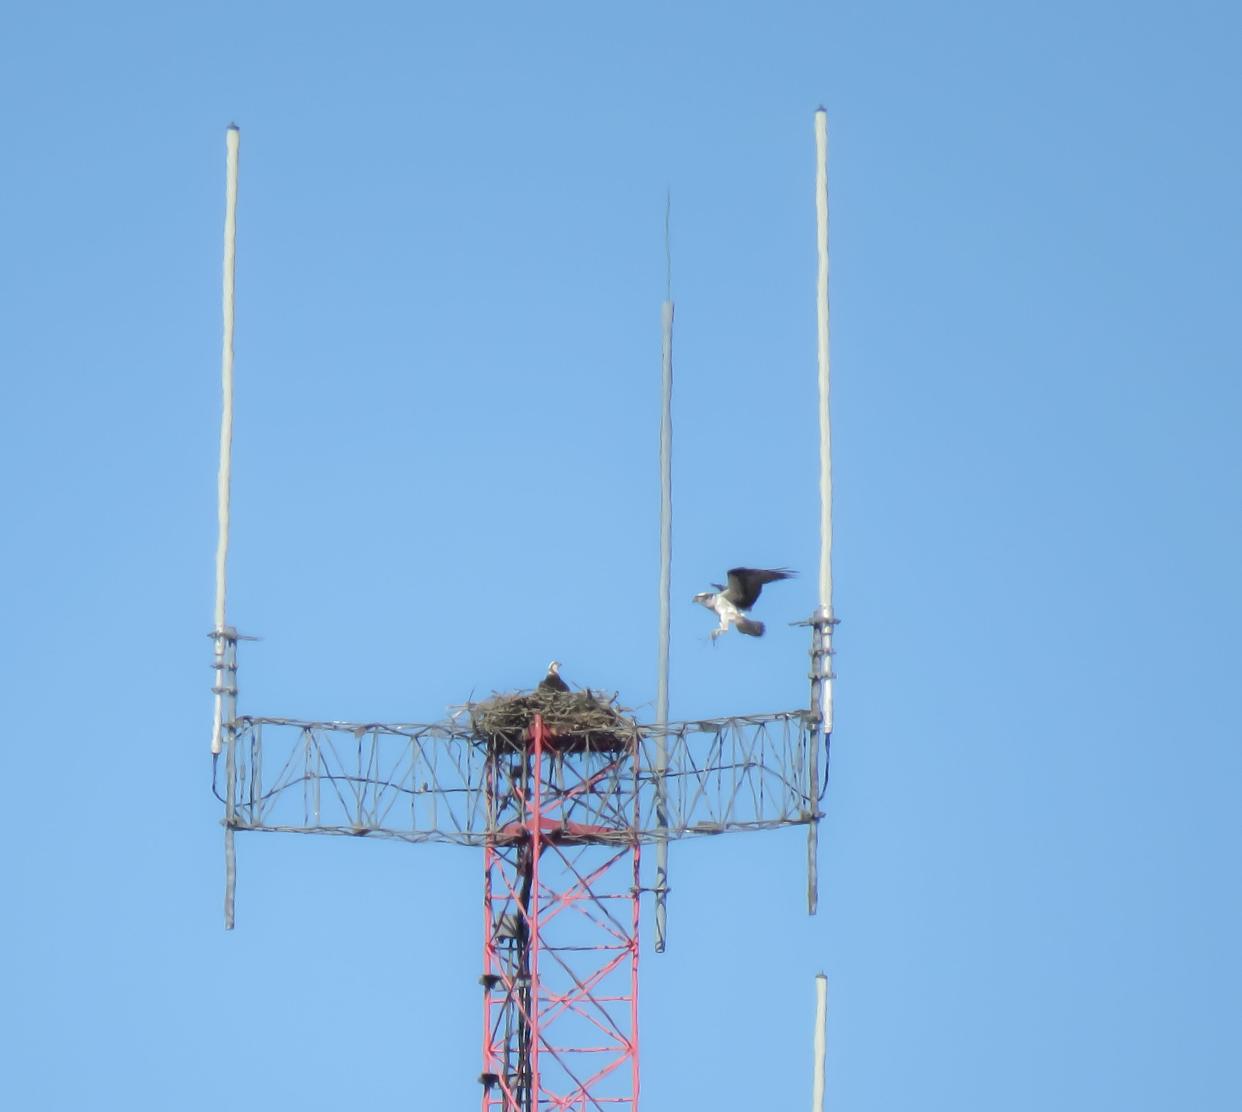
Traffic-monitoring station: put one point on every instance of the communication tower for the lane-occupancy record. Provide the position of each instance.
(562, 793)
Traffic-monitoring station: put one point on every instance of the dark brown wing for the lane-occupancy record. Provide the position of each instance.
(745, 584)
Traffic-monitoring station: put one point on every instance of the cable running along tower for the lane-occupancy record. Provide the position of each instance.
(562, 800)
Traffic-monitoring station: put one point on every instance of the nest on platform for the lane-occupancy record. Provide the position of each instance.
(575, 721)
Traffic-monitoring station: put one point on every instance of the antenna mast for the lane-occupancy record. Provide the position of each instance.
(224, 637)
(823, 620)
(666, 564)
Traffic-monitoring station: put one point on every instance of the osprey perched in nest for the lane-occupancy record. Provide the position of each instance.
(742, 593)
(552, 681)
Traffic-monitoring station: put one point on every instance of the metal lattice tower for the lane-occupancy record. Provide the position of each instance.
(561, 814)
(560, 925)
(562, 821)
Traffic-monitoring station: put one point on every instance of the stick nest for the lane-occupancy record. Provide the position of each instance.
(577, 721)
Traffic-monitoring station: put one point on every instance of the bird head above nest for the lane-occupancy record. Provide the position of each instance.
(553, 681)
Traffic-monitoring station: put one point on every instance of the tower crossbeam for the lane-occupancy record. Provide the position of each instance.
(428, 783)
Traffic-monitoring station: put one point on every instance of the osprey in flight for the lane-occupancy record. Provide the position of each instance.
(741, 594)
(552, 681)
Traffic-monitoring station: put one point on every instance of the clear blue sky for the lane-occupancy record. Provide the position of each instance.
(449, 275)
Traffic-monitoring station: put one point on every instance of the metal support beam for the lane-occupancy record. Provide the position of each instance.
(560, 948)
(225, 693)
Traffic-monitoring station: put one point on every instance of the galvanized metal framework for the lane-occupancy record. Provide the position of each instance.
(562, 821)
(431, 783)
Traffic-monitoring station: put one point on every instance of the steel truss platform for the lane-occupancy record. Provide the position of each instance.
(429, 783)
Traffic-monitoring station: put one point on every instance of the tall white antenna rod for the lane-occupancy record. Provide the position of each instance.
(821, 1042)
(825, 424)
(823, 620)
(225, 681)
(666, 563)
(224, 638)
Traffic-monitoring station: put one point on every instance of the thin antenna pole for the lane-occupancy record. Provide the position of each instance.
(822, 621)
(220, 629)
(666, 563)
(224, 638)
(821, 1042)
(825, 425)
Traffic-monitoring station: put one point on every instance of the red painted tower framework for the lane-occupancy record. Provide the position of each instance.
(560, 928)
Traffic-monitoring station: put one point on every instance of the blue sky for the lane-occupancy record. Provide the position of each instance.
(450, 269)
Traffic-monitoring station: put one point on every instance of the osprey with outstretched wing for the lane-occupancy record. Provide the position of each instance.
(731, 602)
